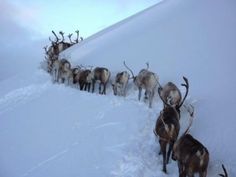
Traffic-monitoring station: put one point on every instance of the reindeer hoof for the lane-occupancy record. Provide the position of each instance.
(164, 170)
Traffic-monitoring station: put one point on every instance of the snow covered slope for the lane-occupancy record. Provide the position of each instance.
(196, 39)
(52, 130)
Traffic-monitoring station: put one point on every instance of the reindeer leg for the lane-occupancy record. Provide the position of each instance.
(182, 172)
(68, 81)
(203, 173)
(139, 93)
(85, 86)
(163, 150)
(82, 86)
(89, 85)
(124, 90)
(100, 88)
(151, 96)
(169, 151)
(104, 88)
(93, 85)
(146, 95)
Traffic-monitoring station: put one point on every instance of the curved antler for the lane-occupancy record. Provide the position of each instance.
(186, 85)
(77, 38)
(225, 172)
(62, 34)
(45, 48)
(57, 39)
(191, 119)
(129, 69)
(147, 63)
(69, 36)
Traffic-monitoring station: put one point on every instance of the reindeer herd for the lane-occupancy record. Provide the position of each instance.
(191, 155)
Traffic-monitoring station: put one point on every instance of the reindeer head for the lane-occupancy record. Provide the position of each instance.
(169, 93)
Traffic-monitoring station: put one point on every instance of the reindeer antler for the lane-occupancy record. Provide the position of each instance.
(225, 172)
(190, 109)
(147, 63)
(129, 69)
(186, 85)
(45, 48)
(62, 34)
(57, 39)
(69, 36)
(77, 38)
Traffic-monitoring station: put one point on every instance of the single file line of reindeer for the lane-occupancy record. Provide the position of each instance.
(191, 155)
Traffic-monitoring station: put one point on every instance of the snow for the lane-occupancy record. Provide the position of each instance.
(54, 130)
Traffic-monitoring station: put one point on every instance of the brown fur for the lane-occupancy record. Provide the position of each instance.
(146, 80)
(85, 80)
(102, 75)
(121, 81)
(166, 94)
(191, 155)
(171, 95)
(167, 129)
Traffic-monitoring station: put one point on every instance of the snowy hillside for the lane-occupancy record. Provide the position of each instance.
(52, 130)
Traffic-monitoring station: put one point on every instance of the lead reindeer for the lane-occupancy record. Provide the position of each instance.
(120, 84)
(146, 80)
(102, 75)
(167, 127)
(58, 46)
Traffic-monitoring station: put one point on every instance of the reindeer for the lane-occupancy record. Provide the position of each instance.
(167, 127)
(60, 70)
(53, 50)
(65, 72)
(75, 71)
(103, 75)
(84, 79)
(57, 46)
(120, 85)
(225, 172)
(191, 155)
(145, 80)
